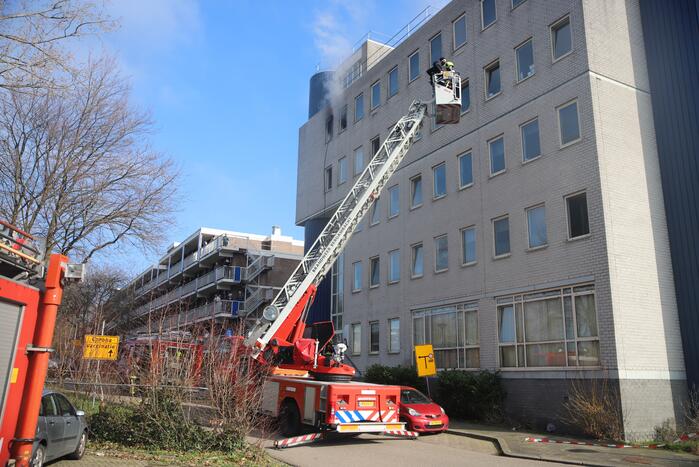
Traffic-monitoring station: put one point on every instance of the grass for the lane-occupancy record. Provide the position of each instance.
(691, 446)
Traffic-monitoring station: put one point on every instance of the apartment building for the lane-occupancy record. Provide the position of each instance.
(213, 278)
(530, 238)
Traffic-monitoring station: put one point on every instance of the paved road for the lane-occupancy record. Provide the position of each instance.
(443, 450)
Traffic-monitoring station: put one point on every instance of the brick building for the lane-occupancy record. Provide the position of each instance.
(531, 238)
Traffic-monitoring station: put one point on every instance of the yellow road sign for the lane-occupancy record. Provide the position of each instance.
(424, 357)
(100, 347)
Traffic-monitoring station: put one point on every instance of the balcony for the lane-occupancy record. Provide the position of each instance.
(215, 309)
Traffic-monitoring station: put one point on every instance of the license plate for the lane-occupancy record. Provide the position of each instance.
(435, 423)
(366, 403)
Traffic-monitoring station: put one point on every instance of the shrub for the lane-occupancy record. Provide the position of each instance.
(394, 375)
(595, 407)
(471, 395)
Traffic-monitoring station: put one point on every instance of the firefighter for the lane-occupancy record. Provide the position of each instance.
(441, 69)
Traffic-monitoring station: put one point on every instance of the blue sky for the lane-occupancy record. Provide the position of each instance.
(227, 87)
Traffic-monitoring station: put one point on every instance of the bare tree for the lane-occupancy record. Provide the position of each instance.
(32, 39)
(74, 167)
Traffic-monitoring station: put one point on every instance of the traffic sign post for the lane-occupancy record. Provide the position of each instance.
(100, 347)
(426, 366)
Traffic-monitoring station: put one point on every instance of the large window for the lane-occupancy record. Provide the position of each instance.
(393, 201)
(393, 82)
(465, 96)
(393, 266)
(578, 222)
(416, 191)
(374, 271)
(525, 60)
(394, 335)
(342, 171)
(356, 339)
(561, 39)
(465, 170)
(453, 333)
(459, 30)
(441, 253)
(359, 107)
(374, 337)
(358, 160)
(531, 147)
(536, 226)
(375, 95)
(414, 66)
(556, 328)
(439, 180)
(568, 124)
(492, 80)
(436, 48)
(337, 295)
(418, 260)
(375, 212)
(488, 13)
(468, 246)
(496, 149)
(501, 236)
(356, 276)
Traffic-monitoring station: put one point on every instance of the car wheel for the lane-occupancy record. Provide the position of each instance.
(39, 456)
(289, 419)
(80, 448)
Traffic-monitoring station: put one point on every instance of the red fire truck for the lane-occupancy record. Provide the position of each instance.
(174, 361)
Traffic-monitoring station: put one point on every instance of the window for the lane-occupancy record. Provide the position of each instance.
(488, 13)
(465, 96)
(531, 148)
(374, 337)
(501, 236)
(337, 295)
(375, 145)
(568, 123)
(343, 118)
(525, 60)
(555, 328)
(468, 245)
(393, 201)
(48, 408)
(342, 170)
(536, 226)
(356, 339)
(375, 95)
(329, 128)
(358, 160)
(328, 178)
(393, 82)
(465, 170)
(436, 48)
(64, 407)
(356, 276)
(394, 335)
(561, 40)
(375, 212)
(496, 148)
(359, 107)
(416, 191)
(439, 180)
(452, 331)
(441, 253)
(393, 266)
(492, 80)
(417, 264)
(414, 66)
(516, 3)
(578, 222)
(375, 271)
(459, 30)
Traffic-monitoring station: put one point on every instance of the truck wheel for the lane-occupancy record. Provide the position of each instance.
(289, 419)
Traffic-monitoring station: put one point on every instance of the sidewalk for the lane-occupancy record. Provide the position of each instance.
(512, 444)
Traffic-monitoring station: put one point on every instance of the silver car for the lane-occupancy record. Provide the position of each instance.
(61, 430)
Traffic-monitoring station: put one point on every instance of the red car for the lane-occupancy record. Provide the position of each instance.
(420, 413)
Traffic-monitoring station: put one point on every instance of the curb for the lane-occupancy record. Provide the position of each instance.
(505, 451)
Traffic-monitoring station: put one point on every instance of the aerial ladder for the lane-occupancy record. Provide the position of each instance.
(280, 336)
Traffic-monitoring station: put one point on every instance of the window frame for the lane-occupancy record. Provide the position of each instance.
(512, 4)
(354, 161)
(463, 245)
(455, 47)
(392, 70)
(412, 191)
(552, 40)
(441, 43)
(375, 212)
(413, 256)
(328, 178)
(354, 326)
(495, 20)
(354, 276)
(527, 232)
(342, 161)
(378, 337)
(521, 136)
(522, 44)
(490, 156)
(509, 237)
(587, 211)
(417, 75)
(435, 239)
(376, 258)
(434, 179)
(358, 96)
(486, 79)
(391, 350)
(343, 112)
(371, 144)
(390, 266)
(468, 152)
(374, 105)
(466, 86)
(562, 145)
(390, 201)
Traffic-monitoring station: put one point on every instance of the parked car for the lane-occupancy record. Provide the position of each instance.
(61, 430)
(420, 413)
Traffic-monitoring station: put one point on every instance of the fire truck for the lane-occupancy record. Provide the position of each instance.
(30, 293)
(174, 360)
(311, 384)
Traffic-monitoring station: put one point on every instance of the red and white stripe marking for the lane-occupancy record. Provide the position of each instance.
(297, 440)
(687, 437)
(684, 437)
(403, 433)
